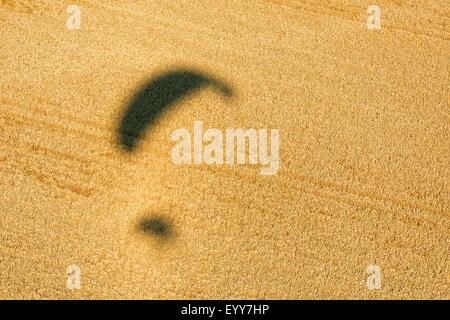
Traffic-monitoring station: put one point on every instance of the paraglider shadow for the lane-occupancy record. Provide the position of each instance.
(158, 94)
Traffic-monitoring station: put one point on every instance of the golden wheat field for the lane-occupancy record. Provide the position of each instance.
(364, 150)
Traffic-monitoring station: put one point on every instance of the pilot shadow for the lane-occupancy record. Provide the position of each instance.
(158, 227)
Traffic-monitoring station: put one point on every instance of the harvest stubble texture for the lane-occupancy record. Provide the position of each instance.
(364, 125)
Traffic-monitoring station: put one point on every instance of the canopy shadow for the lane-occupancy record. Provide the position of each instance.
(157, 95)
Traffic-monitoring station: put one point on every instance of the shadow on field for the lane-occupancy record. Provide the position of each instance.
(158, 94)
(158, 227)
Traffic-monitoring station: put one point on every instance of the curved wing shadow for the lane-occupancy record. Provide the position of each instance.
(158, 94)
